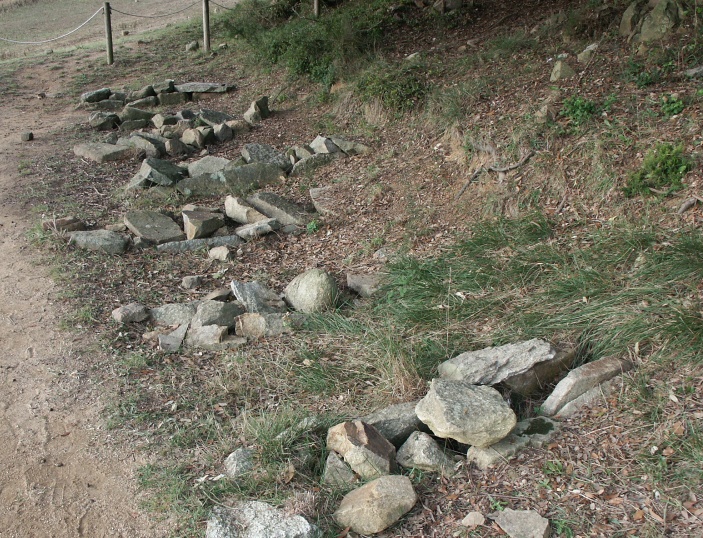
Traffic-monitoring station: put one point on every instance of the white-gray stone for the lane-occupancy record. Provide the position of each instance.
(324, 200)
(206, 336)
(561, 71)
(395, 422)
(599, 392)
(153, 226)
(257, 298)
(255, 519)
(337, 473)
(196, 244)
(313, 291)
(263, 153)
(222, 253)
(157, 172)
(473, 519)
(521, 523)
(238, 210)
(100, 240)
(131, 313)
(257, 229)
(421, 451)
(191, 282)
(171, 342)
(239, 463)
(242, 179)
(173, 314)
(367, 452)
(199, 224)
(277, 207)
(307, 165)
(217, 313)
(213, 117)
(322, 144)
(101, 153)
(350, 147)
(96, 95)
(364, 285)
(223, 132)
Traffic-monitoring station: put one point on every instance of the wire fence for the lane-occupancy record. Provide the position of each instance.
(156, 16)
(54, 38)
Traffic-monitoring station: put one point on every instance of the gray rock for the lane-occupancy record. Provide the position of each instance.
(133, 113)
(202, 87)
(197, 244)
(255, 519)
(131, 313)
(96, 95)
(207, 166)
(132, 125)
(473, 520)
(350, 147)
(198, 224)
(192, 282)
(239, 127)
(153, 227)
(663, 17)
(364, 285)
(366, 451)
(101, 153)
(561, 71)
(277, 207)
(395, 422)
(322, 144)
(313, 291)
(159, 120)
(192, 47)
(208, 134)
(254, 325)
(376, 505)
(146, 91)
(142, 142)
(27, 136)
(217, 313)
(107, 106)
(323, 198)
(173, 314)
(521, 523)
(175, 148)
(150, 101)
(172, 342)
(100, 240)
(588, 398)
(206, 336)
(103, 121)
(257, 298)
(64, 224)
(239, 463)
(581, 380)
(220, 294)
(223, 132)
(307, 165)
(263, 153)
(238, 210)
(167, 86)
(421, 451)
(695, 72)
(241, 179)
(193, 137)
(337, 473)
(257, 229)
(222, 253)
(157, 172)
(585, 56)
(212, 117)
(173, 98)
(202, 186)
(474, 415)
(630, 19)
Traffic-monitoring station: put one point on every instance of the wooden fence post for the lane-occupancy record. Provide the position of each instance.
(108, 33)
(316, 8)
(206, 25)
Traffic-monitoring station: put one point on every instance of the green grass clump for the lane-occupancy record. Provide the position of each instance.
(663, 168)
(399, 88)
(671, 106)
(578, 110)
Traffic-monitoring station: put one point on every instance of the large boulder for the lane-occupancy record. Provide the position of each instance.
(152, 226)
(313, 291)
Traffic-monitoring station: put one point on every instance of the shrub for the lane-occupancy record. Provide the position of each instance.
(578, 110)
(671, 105)
(663, 168)
(398, 88)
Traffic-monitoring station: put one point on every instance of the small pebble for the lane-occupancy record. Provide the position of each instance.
(26, 137)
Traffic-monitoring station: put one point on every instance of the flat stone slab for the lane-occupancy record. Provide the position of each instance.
(217, 313)
(199, 224)
(277, 207)
(201, 87)
(307, 165)
(257, 298)
(213, 117)
(238, 210)
(153, 226)
(243, 178)
(396, 422)
(173, 314)
(101, 153)
(263, 153)
(197, 244)
(257, 229)
(324, 200)
(367, 452)
(208, 165)
(100, 240)
(172, 342)
(253, 325)
(364, 285)
(255, 519)
(522, 523)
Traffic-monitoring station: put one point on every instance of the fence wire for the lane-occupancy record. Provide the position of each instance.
(153, 16)
(53, 38)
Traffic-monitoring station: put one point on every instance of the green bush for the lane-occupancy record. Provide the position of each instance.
(663, 168)
(578, 110)
(671, 105)
(399, 88)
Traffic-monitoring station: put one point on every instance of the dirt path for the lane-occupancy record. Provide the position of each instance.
(60, 473)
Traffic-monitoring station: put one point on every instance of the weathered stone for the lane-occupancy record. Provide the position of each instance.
(561, 71)
(209, 166)
(166, 86)
(307, 165)
(257, 229)
(151, 145)
(376, 505)
(474, 415)
(134, 113)
(101, 153)
(27, 136)
(395, 422)
(191, 282)
(157, 172)
(146, 91)
(581, 380)
(367, 452)
(421, 451)
(322, 144)
(208, 134)
(172, 342)
(212, 117)
(521, 523)
(202, 186)
(473, 519)
(337, 473)
(313, 291)
(263, 153)
(206, 336)
(588, 398)
(194, 138)
(585, 56)
(238, 210)
(223, 132)
(196, 244)
(694, 72)
(253, 114)
(217, 313)
(221, 253)
(106, 106)
(173, 314)
(241, 179)
(159, 120)
(202, 87)
(176, 148)
(96, 95)
(192, 47)
(324, 199)
(364, 285)
(132, 125)
(103, 121)
(220, 294)
(257, 298)
(239, 463)
(100, 240)
(254, 325)
(262, 104)
(131, 313)
(64, 224)
(277, 207)
(198, 224)
(350, 147)
(152, 226)
(255, 519)
(150, 101)
(659, 21)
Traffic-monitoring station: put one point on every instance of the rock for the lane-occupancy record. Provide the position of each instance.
(223, 132)
(173, 314)
(349, 147)
(149, 144)
(133, 113)
(322, 144)
(175, 148)
(395, 422)
(324, 200)
(221, 253)
(172, 342)
(217, 313)
(192, 46)
(581, 380)
(198, 224)
(254, 325)
(157, 172)
(173, 99)
(421, 451)
(207, 166)
(101, 153)
(64, 224)
(599, 392)
(521, 523)
(239, 127)
(197, 244)
(473, 415)
(238, 210)
(376, 505)
(241, 179)
(193, 137)
(630, 19)
(132, 125)
(257, 298)
(27, 136)
(337, 473)
(473, 519)
(364, 285)
(103, 121)
(212, 117)
(131, 313)
(663, 17)
(146, 91)
(263, 153)
(159, 120)
(107, 105)
(96, 95)
(253, 115)
(220, 294)
(262, 105)
(202, 87)
(585, 56)
(255, 519)
(202, 186)
(100, 240)
(561, 71)
(239, 463)
(695, 72)
(257, 229)
(206, 336)
(365, 450)
(191, 282)
(532, 432)
(154, 227)
(277, 207)
(313, 291)
(307, 165)
(148, 102)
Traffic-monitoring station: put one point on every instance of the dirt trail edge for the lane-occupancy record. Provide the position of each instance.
(60, 473)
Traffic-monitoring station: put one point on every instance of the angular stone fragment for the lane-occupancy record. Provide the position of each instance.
(150, 101)
(522, 523)
(306, 166)
(173, 98)
(131, 313)
(257, 229)
(254, 325)
(324, 200)
(217, 313)
(103, 121)
(263, 153)
(172, 342)
(376, 505)
(133, 113)
(146, 91)
(364, 285)
(277, 207)
(241, 179)
(176, 148)
(253, 115)
(191, 282)
(599, 392)
(206, 336)
(157, 172)
(213, 117)
(220, 294)
(561, 71)
(421, 451)
(208, 165)
(395, 422)
(238, 210)
(222, 253)
(193, 137)
(239, 463)
(197, 244)
(202, 87)
(474, 415)
(337, 473)
(151, 145)
(473, 519)
(96, 95)
(223, 132)
(255, 519)
(101, 153)
(27, 136)
(173, 314)
(582, 379)
(366, 451)
(159, 120)
(153, 226)
(313, 291)
(198, 224)
(100, 240)
(257, 298)
(350, 147)
(132, 125)
(322, 144)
